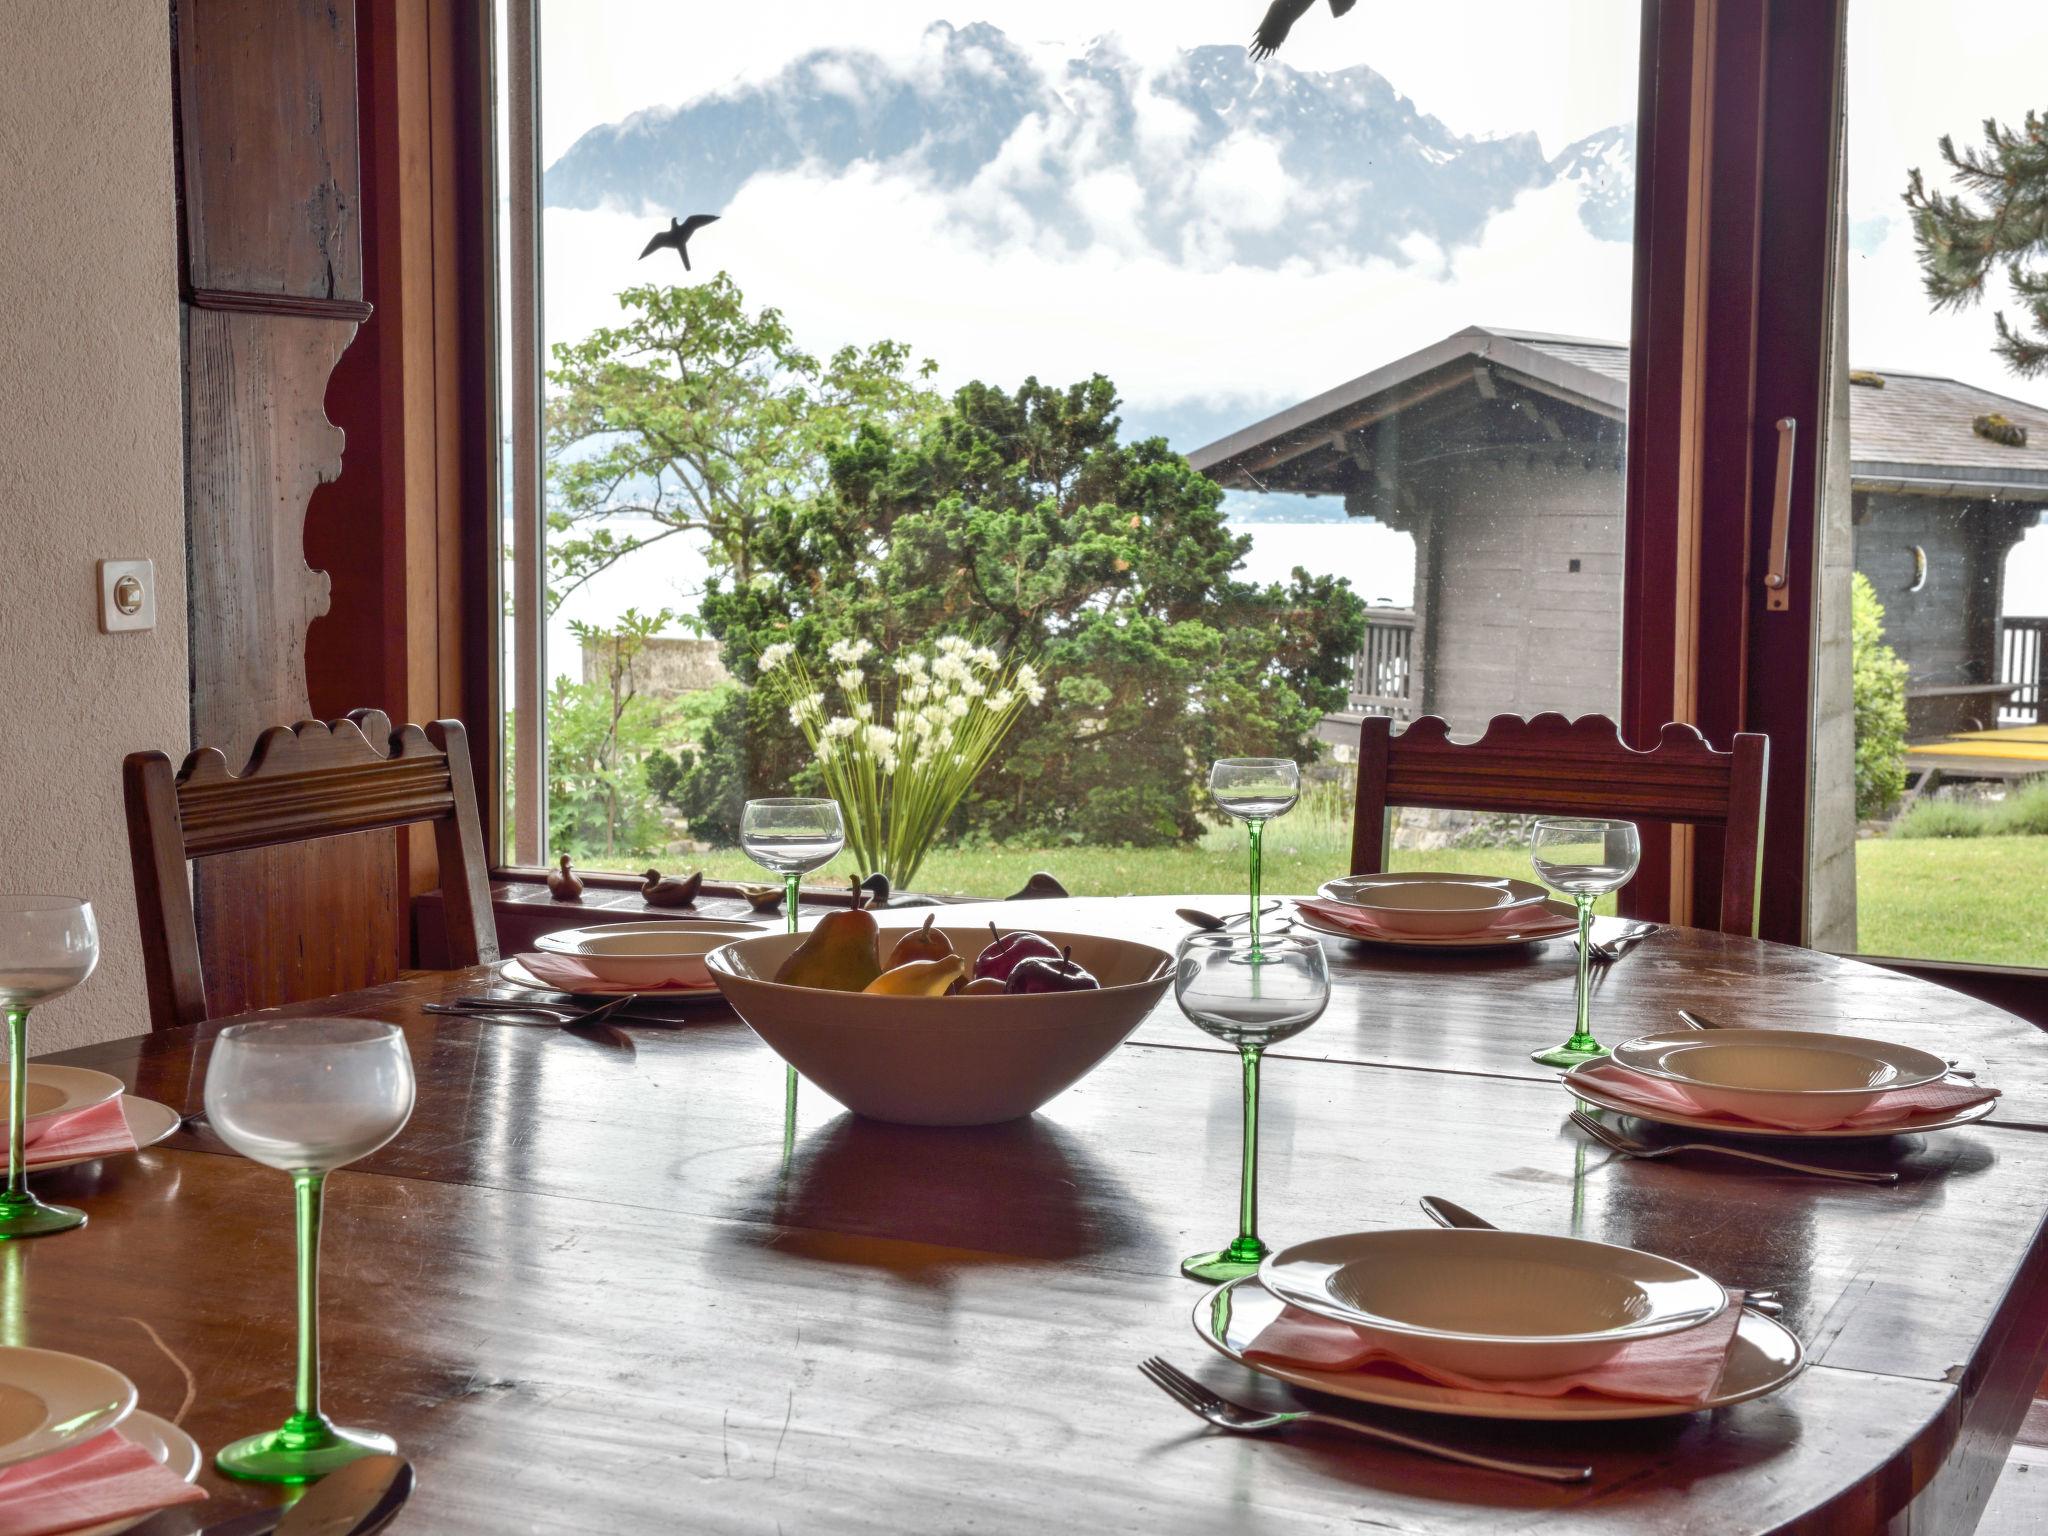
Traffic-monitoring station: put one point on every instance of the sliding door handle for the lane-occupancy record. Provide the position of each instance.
(1777, 595)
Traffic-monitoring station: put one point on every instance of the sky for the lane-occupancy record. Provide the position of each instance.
(1263, 336)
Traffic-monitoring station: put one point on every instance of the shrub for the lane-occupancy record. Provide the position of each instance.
(1944, 818)
(2025, 811)
(1878, 686)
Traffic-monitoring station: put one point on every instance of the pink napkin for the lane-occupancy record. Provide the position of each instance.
(1656, 1095)
(91, 1132)
(568, 974)
(107, 1477)
(1680, 1367)
(1368, 924)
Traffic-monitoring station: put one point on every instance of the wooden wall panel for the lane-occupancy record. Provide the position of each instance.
(270, 190)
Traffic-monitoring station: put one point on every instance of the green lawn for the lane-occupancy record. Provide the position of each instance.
(1977, 898)
(1983, 899)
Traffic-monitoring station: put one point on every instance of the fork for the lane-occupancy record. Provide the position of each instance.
(471, 1007)
(1238, 1419)
(1607, 1136)
(1613, 949)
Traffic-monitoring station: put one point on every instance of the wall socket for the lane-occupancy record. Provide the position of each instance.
(127, 595)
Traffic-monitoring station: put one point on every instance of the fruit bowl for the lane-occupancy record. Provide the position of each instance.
(944, 1060)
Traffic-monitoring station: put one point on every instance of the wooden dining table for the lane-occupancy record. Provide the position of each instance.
(599, 1285)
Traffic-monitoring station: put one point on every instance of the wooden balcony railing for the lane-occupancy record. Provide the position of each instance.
(1383, 673)
(2022, 648)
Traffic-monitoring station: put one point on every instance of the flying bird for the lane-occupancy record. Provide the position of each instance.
(1280, 17)
(677, 235)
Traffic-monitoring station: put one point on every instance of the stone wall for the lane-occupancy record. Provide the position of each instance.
(665, 669)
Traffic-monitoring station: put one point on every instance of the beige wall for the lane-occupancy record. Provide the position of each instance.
(90, 467)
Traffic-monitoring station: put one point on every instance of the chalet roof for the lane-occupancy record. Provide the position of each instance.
(1915, 431)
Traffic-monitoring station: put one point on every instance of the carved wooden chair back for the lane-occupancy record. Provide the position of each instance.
(1548, 765)
(303, 781)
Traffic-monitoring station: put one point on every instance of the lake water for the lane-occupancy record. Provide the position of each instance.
(1379, 561)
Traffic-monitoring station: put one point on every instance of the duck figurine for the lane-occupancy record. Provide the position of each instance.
(762, 898)
(657, 892)
(563, 884)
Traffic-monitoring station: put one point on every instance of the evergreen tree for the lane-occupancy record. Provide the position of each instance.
(1961, 239)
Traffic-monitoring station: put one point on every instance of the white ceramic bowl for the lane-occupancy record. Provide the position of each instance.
(1793, 1077)
(1434, 905)
(1495, 1305)
(646, 954)
(945, 1060)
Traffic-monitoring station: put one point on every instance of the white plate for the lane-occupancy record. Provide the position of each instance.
(513, 974)
(635, 955)
(1801, 1076)
(1931, 1120)
(172, 1448)
(148, 1122)
(1764, 1357)
(1551, 920)
(55, 1090)
(1433, 901)
(49, 1400)
(1493, 1303)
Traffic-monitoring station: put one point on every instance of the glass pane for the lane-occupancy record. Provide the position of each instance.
(1261, 396)
(1937, 500)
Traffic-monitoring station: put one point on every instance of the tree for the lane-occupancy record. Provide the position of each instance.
(1020, 520)
(693, 417)
(600, 738)
(1878, 689)
(1960, 241)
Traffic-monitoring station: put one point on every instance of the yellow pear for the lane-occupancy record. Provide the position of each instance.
(925, 943)
(837, 955)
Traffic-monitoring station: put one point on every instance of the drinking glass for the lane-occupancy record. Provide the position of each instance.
(1255, 790)
(791, 835)
(1250, 995)
(48, 945)
(1584, 859)
(307, 1096)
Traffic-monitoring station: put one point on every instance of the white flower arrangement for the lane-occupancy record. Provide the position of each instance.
(907, 743)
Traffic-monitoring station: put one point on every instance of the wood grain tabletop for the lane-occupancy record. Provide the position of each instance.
(594, 1286)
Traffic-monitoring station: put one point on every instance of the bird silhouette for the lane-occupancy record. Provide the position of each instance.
(1280, 17)
(677, 235)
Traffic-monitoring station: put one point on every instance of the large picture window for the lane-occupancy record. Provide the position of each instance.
(1236, 398)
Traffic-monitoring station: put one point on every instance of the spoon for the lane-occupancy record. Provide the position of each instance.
(1210, 922)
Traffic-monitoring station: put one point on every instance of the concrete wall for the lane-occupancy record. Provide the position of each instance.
(1831, 849)
(1511, 627)
(90, 461)
(1947, 631)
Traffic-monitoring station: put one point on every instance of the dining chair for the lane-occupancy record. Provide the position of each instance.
(1548, 765)
(304, 781)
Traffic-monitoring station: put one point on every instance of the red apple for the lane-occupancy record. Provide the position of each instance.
(1008, 949)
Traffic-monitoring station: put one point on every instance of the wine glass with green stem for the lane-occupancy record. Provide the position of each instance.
(791, 835)
(1252, 995)
(1585, 858)
(48, 945)
(1255, 790)
(306, 1096)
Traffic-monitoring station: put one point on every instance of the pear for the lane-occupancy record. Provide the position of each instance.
(918, 978)
(925, 943)
(838, 955)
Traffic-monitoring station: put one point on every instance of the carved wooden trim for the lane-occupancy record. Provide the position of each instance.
(240, 303)
(312, 780)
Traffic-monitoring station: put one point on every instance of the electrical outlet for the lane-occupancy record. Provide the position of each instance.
(127, 595)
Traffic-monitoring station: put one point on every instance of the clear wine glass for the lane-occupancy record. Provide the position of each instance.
(791, 835)
(1255, 790)
(1584, 859)
(307, 1096)
(48, 945)
(1250, 995)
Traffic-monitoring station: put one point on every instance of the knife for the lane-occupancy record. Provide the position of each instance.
(1446, 1214)
(355, 1500)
